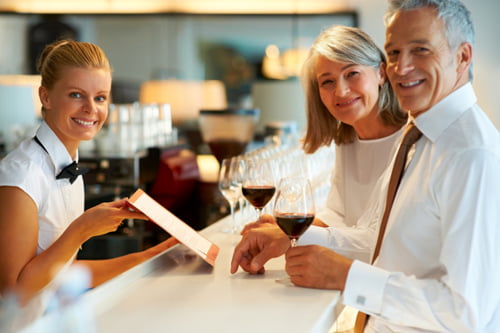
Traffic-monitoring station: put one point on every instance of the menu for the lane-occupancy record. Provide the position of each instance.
(174, 226)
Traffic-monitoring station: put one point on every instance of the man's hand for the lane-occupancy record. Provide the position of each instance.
(314, 266)
(257, 246)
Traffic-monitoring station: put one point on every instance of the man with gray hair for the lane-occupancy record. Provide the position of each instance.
(437, 269)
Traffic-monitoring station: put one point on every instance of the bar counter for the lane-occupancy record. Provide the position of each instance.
(178, 292)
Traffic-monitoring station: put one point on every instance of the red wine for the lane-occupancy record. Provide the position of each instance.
(294, 225)
(258, 196)
(222, 149)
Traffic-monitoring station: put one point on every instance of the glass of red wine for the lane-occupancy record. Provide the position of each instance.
(258, 183)
(293, 209)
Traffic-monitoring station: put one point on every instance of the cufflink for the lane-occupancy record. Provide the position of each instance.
(360, 300)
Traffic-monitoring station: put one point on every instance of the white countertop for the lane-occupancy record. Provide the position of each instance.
(178, 292)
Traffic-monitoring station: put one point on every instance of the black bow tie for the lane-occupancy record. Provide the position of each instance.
(71, 172)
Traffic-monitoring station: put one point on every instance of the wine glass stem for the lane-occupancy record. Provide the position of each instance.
(241, 204)
(293, 242)
(259, 213)
(234, 227)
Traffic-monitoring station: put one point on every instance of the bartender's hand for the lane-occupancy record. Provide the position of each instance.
(105, 217)
(314, 266)
(264, 221)
(258, 246)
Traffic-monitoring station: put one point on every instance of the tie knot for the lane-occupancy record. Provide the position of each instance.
(412, 134)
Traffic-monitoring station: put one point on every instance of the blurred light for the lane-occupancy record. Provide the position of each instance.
(20, 107)
(209, 168)
(272, 51)
(282, 66)
(175, 6)
(186, 98)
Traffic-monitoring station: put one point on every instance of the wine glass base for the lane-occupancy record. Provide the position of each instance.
(227, 228)
(285, 281)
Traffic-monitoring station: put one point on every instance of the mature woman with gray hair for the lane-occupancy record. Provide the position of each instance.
(350, 47)
(350, 103)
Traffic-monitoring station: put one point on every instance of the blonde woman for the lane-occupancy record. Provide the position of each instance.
(42, 218)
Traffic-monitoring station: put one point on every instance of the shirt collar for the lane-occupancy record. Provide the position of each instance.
(55, 148)
(433, 122)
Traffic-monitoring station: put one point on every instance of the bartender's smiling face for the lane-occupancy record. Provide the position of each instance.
(76, 106)
(349, 91)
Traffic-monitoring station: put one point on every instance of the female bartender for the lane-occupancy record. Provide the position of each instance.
(42, 218)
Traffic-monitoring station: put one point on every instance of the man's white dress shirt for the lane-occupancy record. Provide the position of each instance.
(439, 264)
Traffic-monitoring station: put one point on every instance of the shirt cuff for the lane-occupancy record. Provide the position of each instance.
(364, 288)
(315, 235)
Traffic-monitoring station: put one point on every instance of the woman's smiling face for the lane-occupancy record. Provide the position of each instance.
(76, 106)
(349, 91)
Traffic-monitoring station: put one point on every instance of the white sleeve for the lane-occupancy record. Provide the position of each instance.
(357, 241)
(352, 242)
(333, 212)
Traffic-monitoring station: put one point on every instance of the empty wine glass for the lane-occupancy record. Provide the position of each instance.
(230, 186)
(293, 209)
(239, 178)
(258, 183)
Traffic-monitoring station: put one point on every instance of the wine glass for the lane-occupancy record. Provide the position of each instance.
(293, 210)
(239, 178)
(294, 207)
(230, 186)
(258, 183)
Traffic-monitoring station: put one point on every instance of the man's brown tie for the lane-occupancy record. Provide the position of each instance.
(412, 134)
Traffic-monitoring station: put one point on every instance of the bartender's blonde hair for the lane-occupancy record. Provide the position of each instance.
(347, 45)
(60, 55)
(69, 53)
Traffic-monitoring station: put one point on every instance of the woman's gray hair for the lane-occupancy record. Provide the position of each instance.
(456, 18)
(347, 45)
